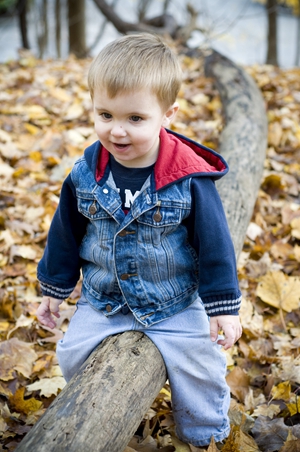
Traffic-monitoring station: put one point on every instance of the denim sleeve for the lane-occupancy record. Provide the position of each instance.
(210, 237)
(59, 269)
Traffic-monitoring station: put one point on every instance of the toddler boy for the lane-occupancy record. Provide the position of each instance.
(140, 216)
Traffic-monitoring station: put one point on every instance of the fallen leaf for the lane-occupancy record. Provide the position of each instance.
(251, 321)
(295, 223)
(279, 290)
(282, 391)
(238, 381)
(47, 386)
(22, 405)
(25, 251)
(267, 410)
(16, 356)
(238, 441)
(270, 435)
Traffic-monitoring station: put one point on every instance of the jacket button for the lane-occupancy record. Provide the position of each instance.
(108, 308)
(124, 276)
(122, 233)
(157, 217)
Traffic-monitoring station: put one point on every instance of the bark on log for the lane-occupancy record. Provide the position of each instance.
(242, 143)
(102, 406)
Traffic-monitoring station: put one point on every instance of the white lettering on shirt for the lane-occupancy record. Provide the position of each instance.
(129, 198)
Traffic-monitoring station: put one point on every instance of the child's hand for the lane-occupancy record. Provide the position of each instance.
(45, 310)
(231, 327)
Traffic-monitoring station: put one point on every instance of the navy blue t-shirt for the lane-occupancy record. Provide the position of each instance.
(129, 181)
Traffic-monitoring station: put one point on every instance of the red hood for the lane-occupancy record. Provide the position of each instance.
(179, 157)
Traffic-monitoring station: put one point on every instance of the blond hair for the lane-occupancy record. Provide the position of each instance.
(135, 62)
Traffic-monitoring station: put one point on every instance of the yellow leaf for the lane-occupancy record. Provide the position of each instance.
(48, 386)
(166, 392)
(200, 99)
(19, 172)
(60, 94)
(25, 251)
(74, 112)
(4, 325)
(215, 104)
(279, 290)
(275, 134)
(295, 223)
(270, 410)
(53, 160)
(293, 408)
(297, 252)
(36, 156)
(282, 391)
(184, 106)
(24, 406)
(31, 128)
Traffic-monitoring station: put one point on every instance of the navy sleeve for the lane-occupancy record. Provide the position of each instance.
(210, 237)
(59, 269)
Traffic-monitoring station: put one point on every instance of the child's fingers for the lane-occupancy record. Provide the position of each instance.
(214, 329)
(44, 314)
(232, 334)
(54, 307)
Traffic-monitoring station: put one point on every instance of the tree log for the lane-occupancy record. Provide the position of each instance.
(104, 403)
(243, 142)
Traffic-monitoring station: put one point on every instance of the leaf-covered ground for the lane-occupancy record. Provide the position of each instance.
(45, 123)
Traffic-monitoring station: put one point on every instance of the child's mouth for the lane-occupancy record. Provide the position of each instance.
(120, 146)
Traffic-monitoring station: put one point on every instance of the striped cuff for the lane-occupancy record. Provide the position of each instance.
(55, 292)
(222, 307)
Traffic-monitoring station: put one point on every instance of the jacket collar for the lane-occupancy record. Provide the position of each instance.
(180, 158)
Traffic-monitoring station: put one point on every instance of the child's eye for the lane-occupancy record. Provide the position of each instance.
(106, 115)
(135, 118)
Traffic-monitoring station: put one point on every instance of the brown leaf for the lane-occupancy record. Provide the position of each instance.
(238, 441)
(238, 381)
(292, 445)
(16, 356)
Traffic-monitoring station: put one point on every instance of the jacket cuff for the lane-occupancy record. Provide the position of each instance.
(228, 305)
(55, 292)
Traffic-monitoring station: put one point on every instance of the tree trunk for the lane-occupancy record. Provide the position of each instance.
(43, 29)
(272, 32)
(102, 406)
(22, 12)
(297, 58)
(76, 20)
(57, 28)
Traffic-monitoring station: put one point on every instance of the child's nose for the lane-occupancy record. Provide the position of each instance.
(118, 131)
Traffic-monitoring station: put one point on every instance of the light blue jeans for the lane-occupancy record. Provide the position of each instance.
(196, 367)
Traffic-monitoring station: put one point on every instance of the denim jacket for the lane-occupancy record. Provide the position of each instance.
(172, 245)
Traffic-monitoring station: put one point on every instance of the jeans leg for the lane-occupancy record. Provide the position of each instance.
(87, 329)
(196, 369)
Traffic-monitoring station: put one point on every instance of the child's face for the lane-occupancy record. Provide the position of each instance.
(129, 124)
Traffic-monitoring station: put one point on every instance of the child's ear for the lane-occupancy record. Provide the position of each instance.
(170, 114)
